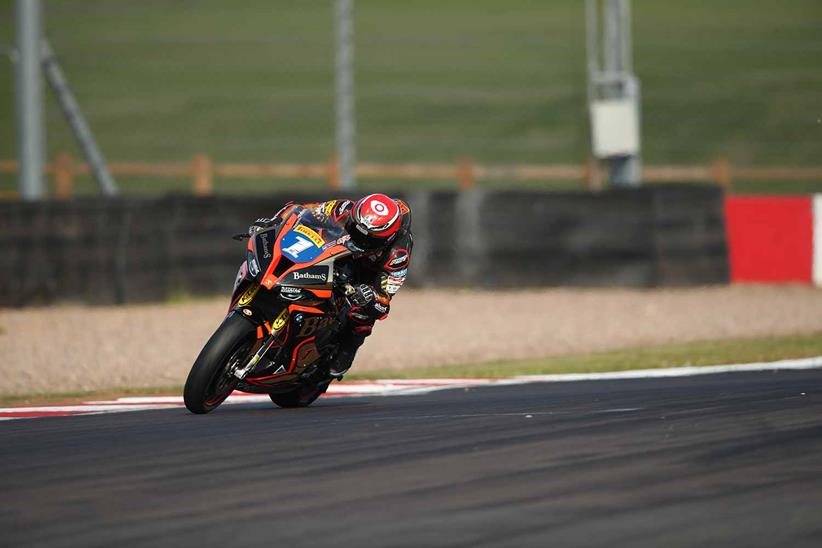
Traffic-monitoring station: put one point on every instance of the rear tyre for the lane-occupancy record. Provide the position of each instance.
(303, 396)
(210, 380)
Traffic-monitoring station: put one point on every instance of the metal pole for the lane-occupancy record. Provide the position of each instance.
(346, 126)
(77, 122)
(627, 42)
(592, 44)
(612, 44)
(610, 76)
(29, 94)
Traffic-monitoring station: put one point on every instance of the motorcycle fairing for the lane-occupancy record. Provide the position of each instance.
(305, 325)
(296, 263)
(302, 242)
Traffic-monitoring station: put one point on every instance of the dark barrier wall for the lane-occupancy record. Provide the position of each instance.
(144, 249)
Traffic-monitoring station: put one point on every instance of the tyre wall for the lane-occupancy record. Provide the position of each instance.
(131, 249)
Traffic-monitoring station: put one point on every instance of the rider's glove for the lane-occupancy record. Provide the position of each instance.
(366, 307)
(362, 296)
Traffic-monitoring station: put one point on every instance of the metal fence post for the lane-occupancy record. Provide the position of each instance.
(202, 171)
(64, 175)
(29, 95)
(346, 125)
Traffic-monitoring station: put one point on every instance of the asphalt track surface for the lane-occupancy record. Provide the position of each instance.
(732, 459)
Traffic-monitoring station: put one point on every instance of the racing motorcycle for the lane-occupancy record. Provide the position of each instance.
(281, 330)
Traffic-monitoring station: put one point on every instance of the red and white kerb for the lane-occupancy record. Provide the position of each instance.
(379, 214)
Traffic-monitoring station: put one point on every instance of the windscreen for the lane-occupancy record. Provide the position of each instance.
(326, 228)
(309, 237)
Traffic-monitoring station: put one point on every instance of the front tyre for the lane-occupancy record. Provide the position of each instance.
(210, 380)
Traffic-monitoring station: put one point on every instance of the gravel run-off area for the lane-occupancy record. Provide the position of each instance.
(73, 348)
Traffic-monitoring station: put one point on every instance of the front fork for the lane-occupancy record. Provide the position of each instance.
(274, 331)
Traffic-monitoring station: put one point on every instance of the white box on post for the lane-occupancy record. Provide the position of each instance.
(615, 127)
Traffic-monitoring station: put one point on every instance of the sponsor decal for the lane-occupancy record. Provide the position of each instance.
(264, 240)
(339, 241)
(398, 260)
(312, 235)
(248, 294)
(280, 321)
(329, 207)
(309, 276)
(381, 308)
(291, 293)
(300, 244)
(313, 275)
(314, 324)
(253, 266)
(400, 273)
(393, 284)
(247, 311)
(299, 248)
(403, 207)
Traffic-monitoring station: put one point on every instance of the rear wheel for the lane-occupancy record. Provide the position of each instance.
(210, 380)
(302, 396)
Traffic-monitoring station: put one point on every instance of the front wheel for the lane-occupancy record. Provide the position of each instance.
(210, 380)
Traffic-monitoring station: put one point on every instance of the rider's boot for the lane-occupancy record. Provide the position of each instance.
(350, 342)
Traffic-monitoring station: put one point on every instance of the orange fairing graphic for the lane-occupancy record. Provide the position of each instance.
(305, 351)
(321, 293)
(299, 308)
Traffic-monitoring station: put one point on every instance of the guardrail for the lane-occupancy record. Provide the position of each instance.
(203, 171)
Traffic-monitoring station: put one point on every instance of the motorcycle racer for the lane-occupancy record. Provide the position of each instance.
(380, 231)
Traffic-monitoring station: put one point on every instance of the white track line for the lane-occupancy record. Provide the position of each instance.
(404, 387)
(805, 363)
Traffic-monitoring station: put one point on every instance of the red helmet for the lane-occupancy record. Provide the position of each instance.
(374, 222)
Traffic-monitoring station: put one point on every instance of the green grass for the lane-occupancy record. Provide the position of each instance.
(689, 354)
(498, 80)
(653, 357)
